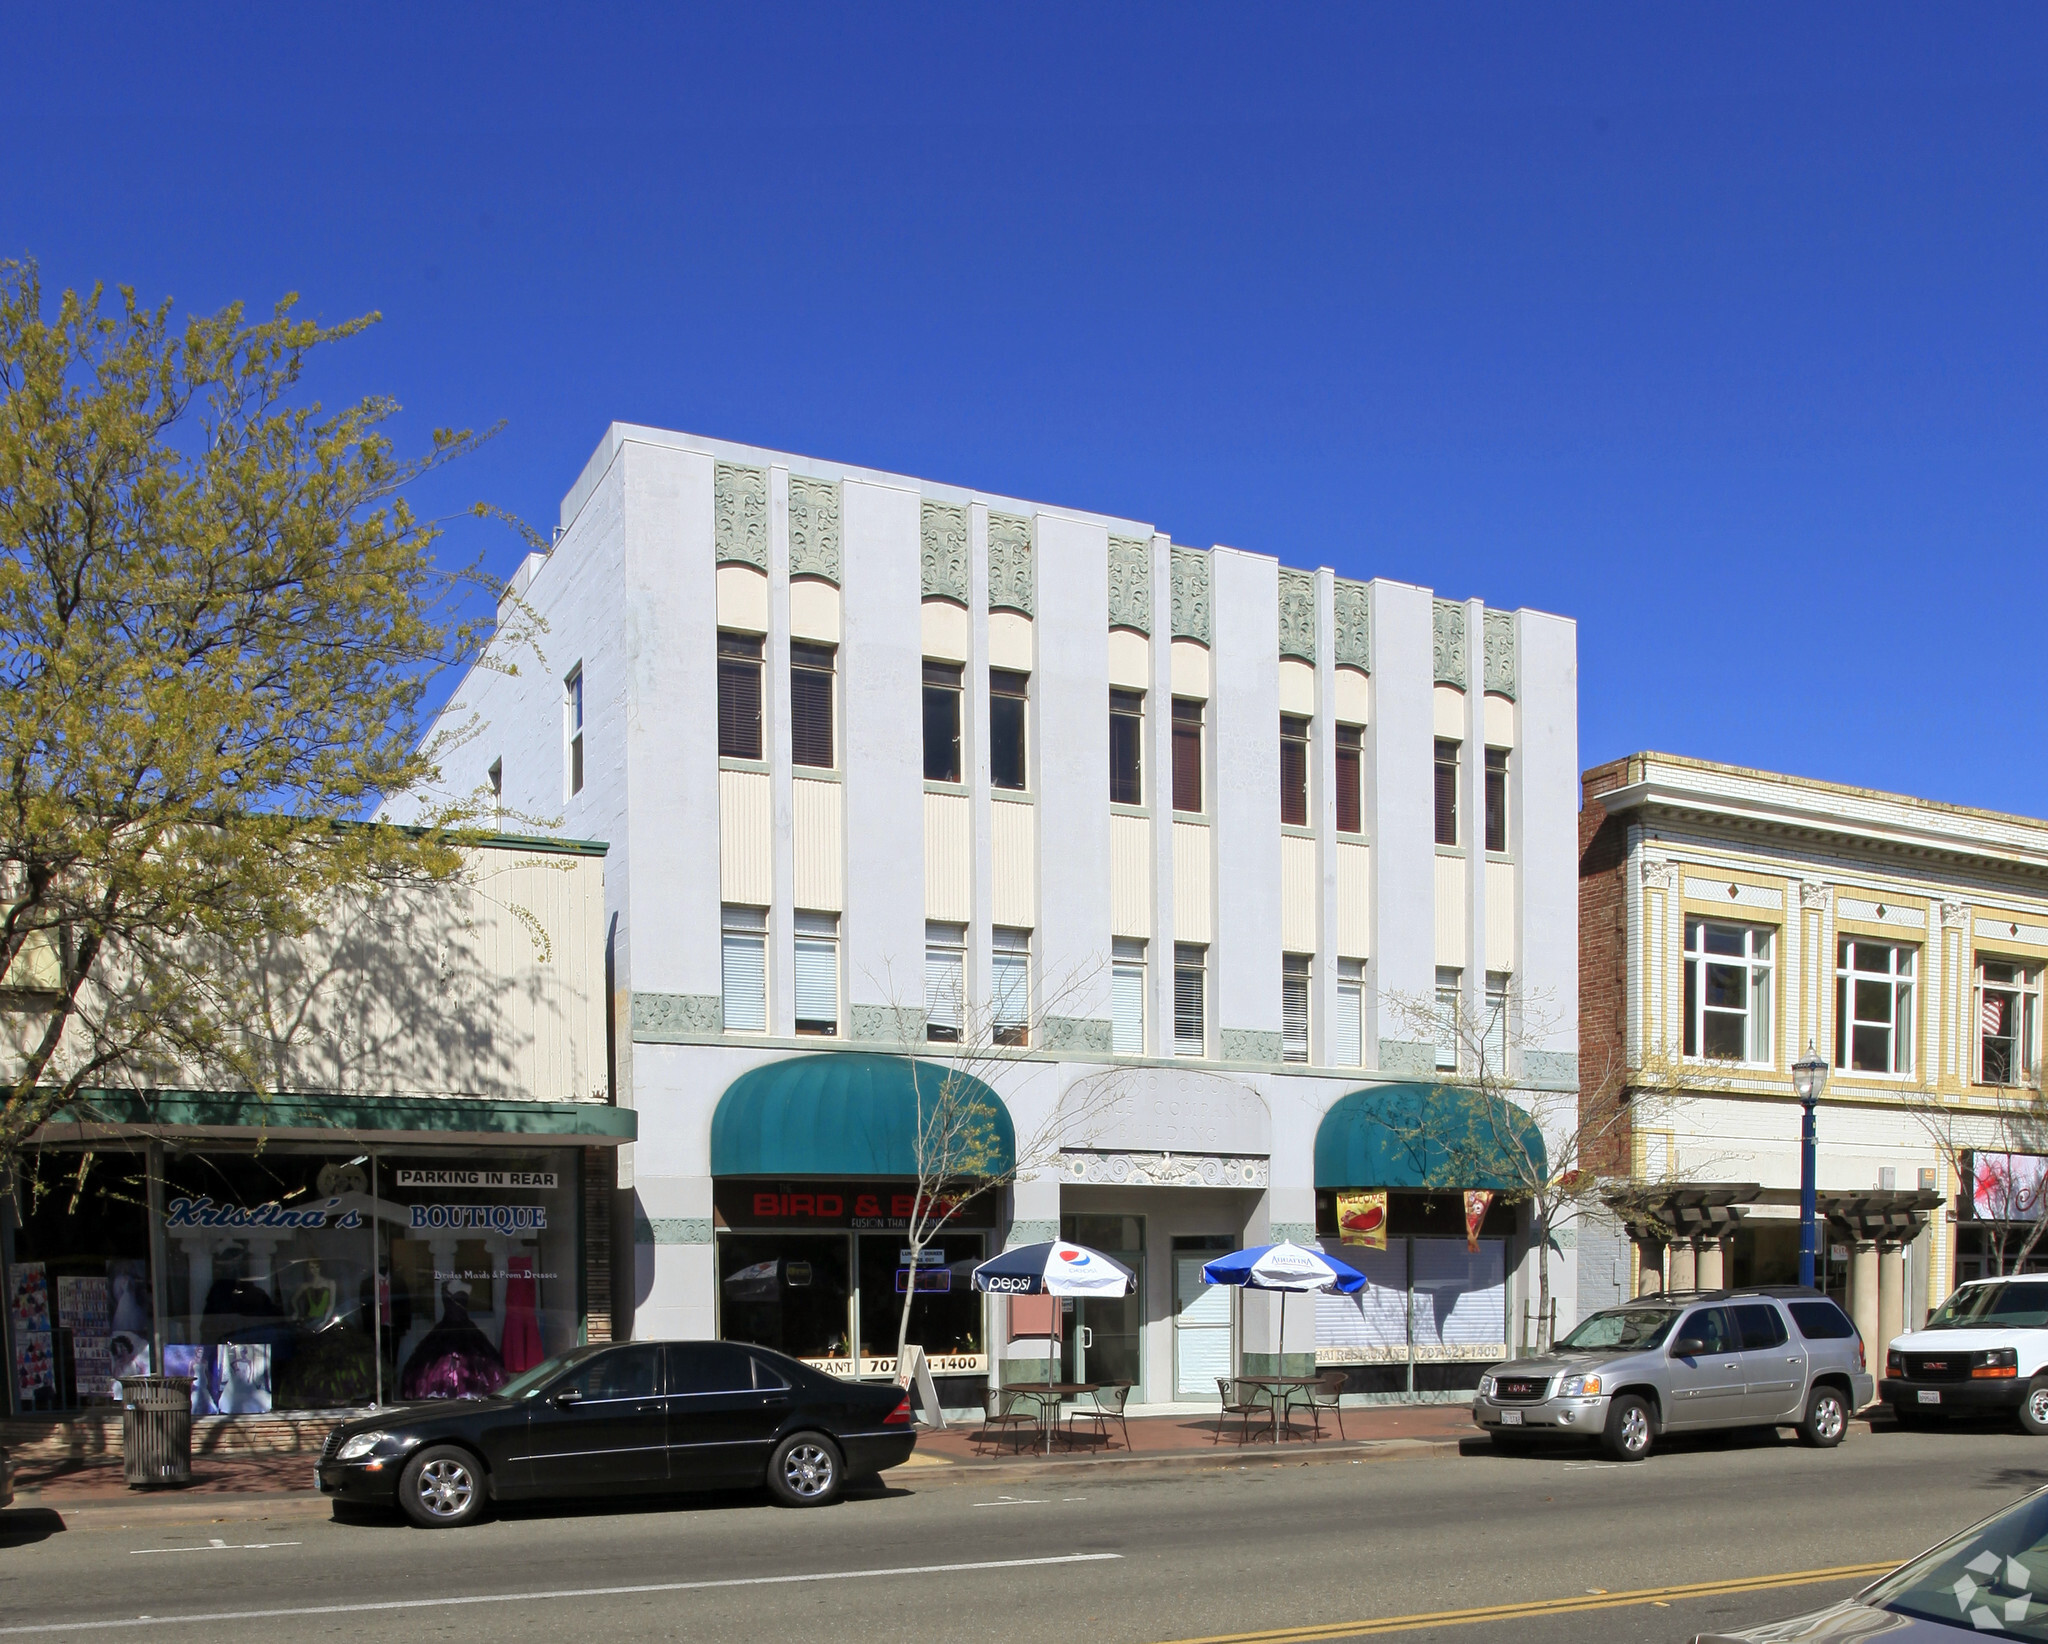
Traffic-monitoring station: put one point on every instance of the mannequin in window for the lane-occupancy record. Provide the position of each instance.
(455, 1359)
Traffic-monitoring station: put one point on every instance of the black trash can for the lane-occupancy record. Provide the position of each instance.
(156, 1430)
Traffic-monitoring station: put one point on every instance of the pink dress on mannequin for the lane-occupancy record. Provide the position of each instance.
(521, 1345)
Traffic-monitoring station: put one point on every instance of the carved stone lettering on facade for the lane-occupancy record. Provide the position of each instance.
(1191, 594)
(1298, 614)
(813, 528)
(1012, 574)
(1450, 643)
(1354, 625)
(1130, 583)
(945, 551)
(1502, 675)
(1161, 1169)
(740, 504)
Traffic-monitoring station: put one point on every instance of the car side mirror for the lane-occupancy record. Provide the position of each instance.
(1688, 1347)
(566, 1397)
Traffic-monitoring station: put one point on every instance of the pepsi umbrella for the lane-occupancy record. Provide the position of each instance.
(1056, 1269)
(1284, 1267)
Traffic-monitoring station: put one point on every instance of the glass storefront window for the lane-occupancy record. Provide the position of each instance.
(787, 1291)
(945, 1308)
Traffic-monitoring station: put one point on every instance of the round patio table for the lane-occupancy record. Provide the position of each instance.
(1280, 1390)
(1048, 1395)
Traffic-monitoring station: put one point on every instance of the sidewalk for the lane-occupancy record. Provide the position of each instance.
(969, 1444)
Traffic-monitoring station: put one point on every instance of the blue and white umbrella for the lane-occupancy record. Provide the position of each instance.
(1056, 1269)
(1284, 1267)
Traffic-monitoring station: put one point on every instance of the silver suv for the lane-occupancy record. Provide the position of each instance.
(1686, 1361)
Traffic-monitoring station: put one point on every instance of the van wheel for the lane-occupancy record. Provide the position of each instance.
(441, 1488)
(2034, 1411)
(1630, 1431)
(1827, 1418)
(805, 1471)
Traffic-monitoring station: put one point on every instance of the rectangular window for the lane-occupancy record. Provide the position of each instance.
(1127, 996)
(1347, 1033)
(1727, 991)
(572, 712)
(945, 980)
(1449, 1008)
(1126, 747)
(1497, 799)
(1190, 999)
(739, 696)
(941, 722)
(2008, 1005)
(1294, 974)
(1010, 986)
(1187, 754)
(817, 973)
(1293, 771)
(1494, 1042)
(746, 969)
(1008, 703)
(1350, 779)
(1446, 792)
(1873, 1006)
(810, 705)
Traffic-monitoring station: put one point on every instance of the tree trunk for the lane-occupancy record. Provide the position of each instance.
(1543, 1290)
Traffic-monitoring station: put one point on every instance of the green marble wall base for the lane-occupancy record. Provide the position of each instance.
(1280, 1364)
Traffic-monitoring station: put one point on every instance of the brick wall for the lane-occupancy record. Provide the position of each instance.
(600, 1178)
(1603, 974)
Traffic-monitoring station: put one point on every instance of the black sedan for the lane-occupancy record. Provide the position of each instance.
(639, 1416)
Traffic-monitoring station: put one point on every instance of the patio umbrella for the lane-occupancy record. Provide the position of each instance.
(1284, 1267)
(1056, 1269)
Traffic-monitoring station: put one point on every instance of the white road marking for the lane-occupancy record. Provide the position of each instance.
(216, 1545)
(1015, 1501)
(560, 1593)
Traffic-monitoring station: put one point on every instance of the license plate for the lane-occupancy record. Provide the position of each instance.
(1511, 1418)
(1927, 1397)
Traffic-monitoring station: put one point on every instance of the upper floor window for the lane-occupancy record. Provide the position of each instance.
(1127, 996)
(1293, 771)
(745, 961)
(572, 715)
(1873, 1006)
(810, 705)
(1190, 999)
(941, 722)
(1351, 779)
(1446, 792)
(1008, 701)
(817, 973)
(1010, 986)
(1347, 1034)
(1496, 799)
(739, 696)
(1493, 1040)
(1728, 991)
(945, 981)
(1127, 747)
(1187, 754)
(1450, 988)
(2008, 1022)
(1294, 995)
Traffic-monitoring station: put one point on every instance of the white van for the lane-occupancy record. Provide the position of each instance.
(1984, 1349)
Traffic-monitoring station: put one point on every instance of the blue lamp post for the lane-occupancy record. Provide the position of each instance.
(1809, 1077)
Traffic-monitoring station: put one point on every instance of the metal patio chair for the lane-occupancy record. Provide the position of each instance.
(1106, 1405)
(1329, 1389)
(1000, 1415)
(1242, 1402)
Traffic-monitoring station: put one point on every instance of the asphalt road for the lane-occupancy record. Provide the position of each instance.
(1300, 1548)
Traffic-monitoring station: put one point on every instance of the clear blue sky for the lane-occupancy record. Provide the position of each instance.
(1718, 328)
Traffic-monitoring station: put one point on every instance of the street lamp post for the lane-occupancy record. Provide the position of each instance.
(1809, 1077)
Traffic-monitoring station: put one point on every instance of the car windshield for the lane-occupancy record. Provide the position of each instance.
(1994, 1307)
(1623, 1328)
(529, 1382)
(1992, 1579)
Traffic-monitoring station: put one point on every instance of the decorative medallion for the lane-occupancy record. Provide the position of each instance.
(1191, 594)
(1298, 614)
(1130, 583)
(1354, 624)
(814, 528)
(1450, 643)
(740, 515)
(945, 551)
(1012, 576)
(1500, 662)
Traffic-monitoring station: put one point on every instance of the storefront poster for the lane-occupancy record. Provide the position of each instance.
(241, 1378)
(35, 1369)
(28, 1301)
(1362, 1219)
(1476, 1201)
(2007, 1187)
(128, 1282)
(85, 1309)
(127, 1355)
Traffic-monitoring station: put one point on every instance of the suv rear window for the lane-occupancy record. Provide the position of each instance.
(1820, 1320)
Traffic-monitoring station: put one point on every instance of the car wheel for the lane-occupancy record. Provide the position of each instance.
(442, 1487)
(1630, 1431)
(806, 1471)
(1827, 1418)
(2034, 1410)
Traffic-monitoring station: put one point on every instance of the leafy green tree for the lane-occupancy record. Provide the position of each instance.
(219, 620)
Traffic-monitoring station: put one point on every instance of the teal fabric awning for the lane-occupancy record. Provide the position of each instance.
(847, 1113)
(1442, 1138)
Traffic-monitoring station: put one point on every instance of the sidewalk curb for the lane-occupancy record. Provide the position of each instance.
(1107, 1469)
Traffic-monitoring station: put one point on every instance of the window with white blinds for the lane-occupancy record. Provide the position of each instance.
(1495, 1043)
(945, 981)
(1190, 999)
(1449, 1009)
(1294, 1007)
(1347, 1033)
(1127, 997)
(817, 973)
(1010, 986)
(746, 970)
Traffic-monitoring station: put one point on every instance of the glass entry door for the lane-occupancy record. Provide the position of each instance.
(1103, 1332)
